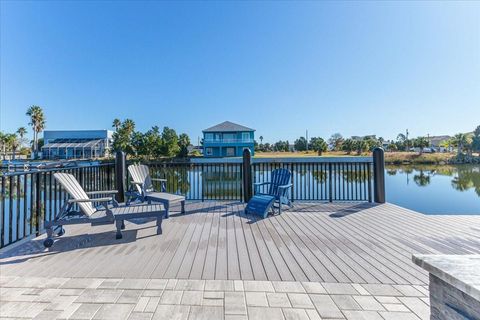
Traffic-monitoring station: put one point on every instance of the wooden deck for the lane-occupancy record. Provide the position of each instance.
(348, 243)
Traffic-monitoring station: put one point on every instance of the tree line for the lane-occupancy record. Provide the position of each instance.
(463, 142)
(150, 144)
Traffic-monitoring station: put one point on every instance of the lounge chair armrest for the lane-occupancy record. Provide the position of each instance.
(286, 186)
(158, 179)
(257, 184)
(90, 200)
(102, 192)
(136, 182)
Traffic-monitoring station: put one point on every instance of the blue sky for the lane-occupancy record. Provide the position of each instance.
(350, 67)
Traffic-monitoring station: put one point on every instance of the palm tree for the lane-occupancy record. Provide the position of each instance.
(37, 121)
(14, 143)
(261, 139)
(116, 123)
(3, 143)
(129, 125)
(402, 139)
(461, 140)
(21, 132)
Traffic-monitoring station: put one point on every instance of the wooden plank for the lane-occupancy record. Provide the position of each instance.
(199, 260)
(211, 255)
(232, 251)
(246, 270)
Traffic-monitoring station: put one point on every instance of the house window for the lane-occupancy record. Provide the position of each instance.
(246, 136)
(230, 152)
(208, 136)
(209, 151)
(229, 137)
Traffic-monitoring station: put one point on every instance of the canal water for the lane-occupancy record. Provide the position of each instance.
(432, 189)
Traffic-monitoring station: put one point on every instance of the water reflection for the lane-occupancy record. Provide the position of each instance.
(463, 177)
(447, 189)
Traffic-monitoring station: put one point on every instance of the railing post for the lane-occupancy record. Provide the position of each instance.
(378, 175)
(120, 172)
(330, 183)
(38, 203)
(203, 182)
(247, 176)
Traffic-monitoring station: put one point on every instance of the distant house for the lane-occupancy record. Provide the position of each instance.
(76, 144)
(227, 139)
(358, 138)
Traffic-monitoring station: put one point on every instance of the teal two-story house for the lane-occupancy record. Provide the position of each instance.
(227, 139)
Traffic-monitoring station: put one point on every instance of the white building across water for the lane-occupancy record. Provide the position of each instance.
(76, 144)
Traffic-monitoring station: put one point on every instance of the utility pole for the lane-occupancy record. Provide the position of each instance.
(407, 140)
(306, 135)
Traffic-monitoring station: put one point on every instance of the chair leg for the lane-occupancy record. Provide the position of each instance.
(167, 207)
(159, 225)
(183, 206)
(123, 225)
(118, 224)
(49, 241)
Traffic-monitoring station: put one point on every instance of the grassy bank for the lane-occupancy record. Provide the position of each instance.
(390, 157)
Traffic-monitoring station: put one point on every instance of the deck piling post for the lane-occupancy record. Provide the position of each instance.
(247, 175)
(378, 175)
(120, 173)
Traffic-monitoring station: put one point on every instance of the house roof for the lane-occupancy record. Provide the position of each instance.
(228, 126)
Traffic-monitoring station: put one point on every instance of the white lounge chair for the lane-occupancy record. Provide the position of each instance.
(142, 189)
(111, 212)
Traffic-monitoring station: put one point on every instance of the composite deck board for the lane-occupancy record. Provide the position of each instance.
(255, 259)
(280, 264)
(372, 268)
(327, 269)
(199, 260)
(232, 251)
(308, 270)
(331, 242)
(376, 247)
(387, 256)
(211, 255)
(221, 267)
(246, 270)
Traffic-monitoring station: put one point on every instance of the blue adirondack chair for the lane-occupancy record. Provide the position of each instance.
(276, 192)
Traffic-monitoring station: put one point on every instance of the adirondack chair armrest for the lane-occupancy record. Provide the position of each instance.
(102, 192)
(158, 179)
(137, 182)
(282, 189)
(286, 186)
(90, 200)
(258, 184)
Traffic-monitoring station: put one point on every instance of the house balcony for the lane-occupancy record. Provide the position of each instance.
(227, 141)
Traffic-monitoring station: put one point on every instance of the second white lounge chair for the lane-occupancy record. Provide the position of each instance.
(142, 189)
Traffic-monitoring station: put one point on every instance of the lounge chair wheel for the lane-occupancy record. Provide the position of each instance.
(61, 232)
(48, 243)
(118, 236)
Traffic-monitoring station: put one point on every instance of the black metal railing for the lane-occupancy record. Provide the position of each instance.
(29, 198)
(323, 179)
(201, 180)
